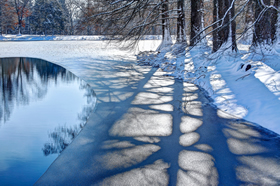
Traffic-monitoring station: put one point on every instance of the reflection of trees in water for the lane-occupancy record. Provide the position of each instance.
(25, 79)
(61, 137)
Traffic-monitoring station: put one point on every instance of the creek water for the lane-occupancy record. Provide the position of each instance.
(43, 107)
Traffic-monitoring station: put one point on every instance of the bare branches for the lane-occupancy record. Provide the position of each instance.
(265, 22)
(21, 11)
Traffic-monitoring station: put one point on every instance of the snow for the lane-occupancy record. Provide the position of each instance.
(20, 37)
(253, 95)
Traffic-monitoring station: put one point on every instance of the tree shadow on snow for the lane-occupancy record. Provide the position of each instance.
(152, 129)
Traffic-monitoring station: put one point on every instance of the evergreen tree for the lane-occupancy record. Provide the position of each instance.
(54, 21)
(47, 17)
(37, 16)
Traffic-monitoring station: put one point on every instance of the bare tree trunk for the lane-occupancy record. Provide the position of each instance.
(262, 32)
(216, 38)
(71, 26)
(274, 16)
(232, 26)
(88, 15)
(166, 36)
(249, 19)
(165, 21)
(225, 28)
(1, 18)
(181, 34)
(196, 20)
(221, 31)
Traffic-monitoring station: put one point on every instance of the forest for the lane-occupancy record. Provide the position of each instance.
(191, 21)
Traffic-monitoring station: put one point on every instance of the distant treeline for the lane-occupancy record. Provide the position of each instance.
(130, 20)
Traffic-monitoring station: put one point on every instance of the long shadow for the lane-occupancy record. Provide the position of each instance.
(111, 106)
(150, 129)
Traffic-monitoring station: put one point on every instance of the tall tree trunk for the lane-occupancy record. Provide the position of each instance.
(166, 36)
(165, 19)
(181, 34)
(19, 28)
(232, 26)
(0, 18)
(87, 18)
(196, 21)
(216, 43)
(224, 30)
(71, 26)
(262, 32)
(221, 31)
(274, 17)
(249, 19)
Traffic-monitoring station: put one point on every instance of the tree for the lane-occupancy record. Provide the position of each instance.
(132, 19)
(47, 17)
(224, 27)
(8, 17)
(85, 23)
(166, 36)
(266, 19)
(274, 19)
(72, 8)
(54, 21)
(196, 21)
(181, 33)
(22, 11)
(1, 9)
(247, 34)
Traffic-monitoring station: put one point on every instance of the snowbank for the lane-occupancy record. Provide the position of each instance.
(65, 38)
(252, 94)
(245, 84)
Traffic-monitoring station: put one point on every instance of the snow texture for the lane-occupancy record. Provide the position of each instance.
(245, 84)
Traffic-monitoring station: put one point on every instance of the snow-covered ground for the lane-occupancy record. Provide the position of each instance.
(253, 95)
(245, 84)
(9, 37)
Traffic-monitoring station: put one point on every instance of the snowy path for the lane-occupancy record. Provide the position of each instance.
(150, 129)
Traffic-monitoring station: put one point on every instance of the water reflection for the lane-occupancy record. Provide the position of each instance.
(43, 107)
(25, 79)
(62, 136)
(158, 131)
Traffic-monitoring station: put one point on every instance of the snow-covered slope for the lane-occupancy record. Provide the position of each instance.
(245, 84)
(252, 94)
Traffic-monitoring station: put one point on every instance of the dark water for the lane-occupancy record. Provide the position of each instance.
(43, 107)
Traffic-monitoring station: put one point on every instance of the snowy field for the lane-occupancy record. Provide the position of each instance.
(252, 94)
(63, 38)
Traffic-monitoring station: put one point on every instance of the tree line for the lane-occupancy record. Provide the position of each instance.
(224, 20)
(45, 17)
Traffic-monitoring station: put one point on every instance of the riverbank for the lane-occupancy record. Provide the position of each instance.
(150, 128)
(252, 95)
(223, 74)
